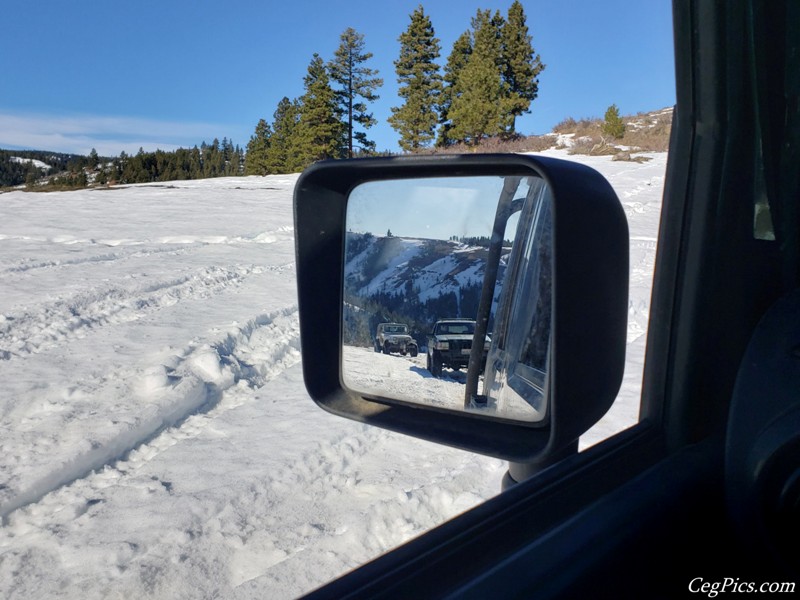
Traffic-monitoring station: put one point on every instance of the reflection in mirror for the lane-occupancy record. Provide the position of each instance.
(520, 351)
(417, 252)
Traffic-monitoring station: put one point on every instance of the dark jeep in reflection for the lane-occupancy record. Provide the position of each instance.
(394, 337)
(450, 344)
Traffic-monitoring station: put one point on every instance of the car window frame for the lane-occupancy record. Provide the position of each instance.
(677, 445)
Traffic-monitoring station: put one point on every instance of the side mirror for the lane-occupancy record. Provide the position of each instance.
(526, 257)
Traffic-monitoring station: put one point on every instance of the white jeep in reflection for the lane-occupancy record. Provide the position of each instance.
(394, 337)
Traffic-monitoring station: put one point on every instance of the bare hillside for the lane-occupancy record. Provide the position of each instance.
(644, 132)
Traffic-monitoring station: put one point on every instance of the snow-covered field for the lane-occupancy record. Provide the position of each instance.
(156, 439)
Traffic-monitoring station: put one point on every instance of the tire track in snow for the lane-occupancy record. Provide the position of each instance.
(100, 259)
(344, 472)
(249, 356)
(54, 324)
(139, 248)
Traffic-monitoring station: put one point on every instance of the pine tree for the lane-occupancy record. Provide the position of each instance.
(420, 83)
(522, 65)
(119, 166)
(319, 130)
(226, 148)
(213, 160)
(479, 108)
(93, 159)
(613, 125)
(354, 82)
(282, 156)
(456, 61)
(238, 161)
(196, 163)
(256, 159)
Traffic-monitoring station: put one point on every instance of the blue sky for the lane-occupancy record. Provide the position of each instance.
(168, 73)
(429, 208)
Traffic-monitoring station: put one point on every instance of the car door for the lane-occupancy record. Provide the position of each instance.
(647, 513)
(519, 355)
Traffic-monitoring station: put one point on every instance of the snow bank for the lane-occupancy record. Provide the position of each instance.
(157, 439)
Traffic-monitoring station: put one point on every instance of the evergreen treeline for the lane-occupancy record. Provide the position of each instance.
(479, 240)
(14, 172)
(489, 79)
(218, 159)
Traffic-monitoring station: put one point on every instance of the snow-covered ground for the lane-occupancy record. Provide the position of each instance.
(156, 439)
(408, 378)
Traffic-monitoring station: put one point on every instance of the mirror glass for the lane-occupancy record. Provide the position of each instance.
(417, 254)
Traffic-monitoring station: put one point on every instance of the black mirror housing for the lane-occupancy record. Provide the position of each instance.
(590, 301)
